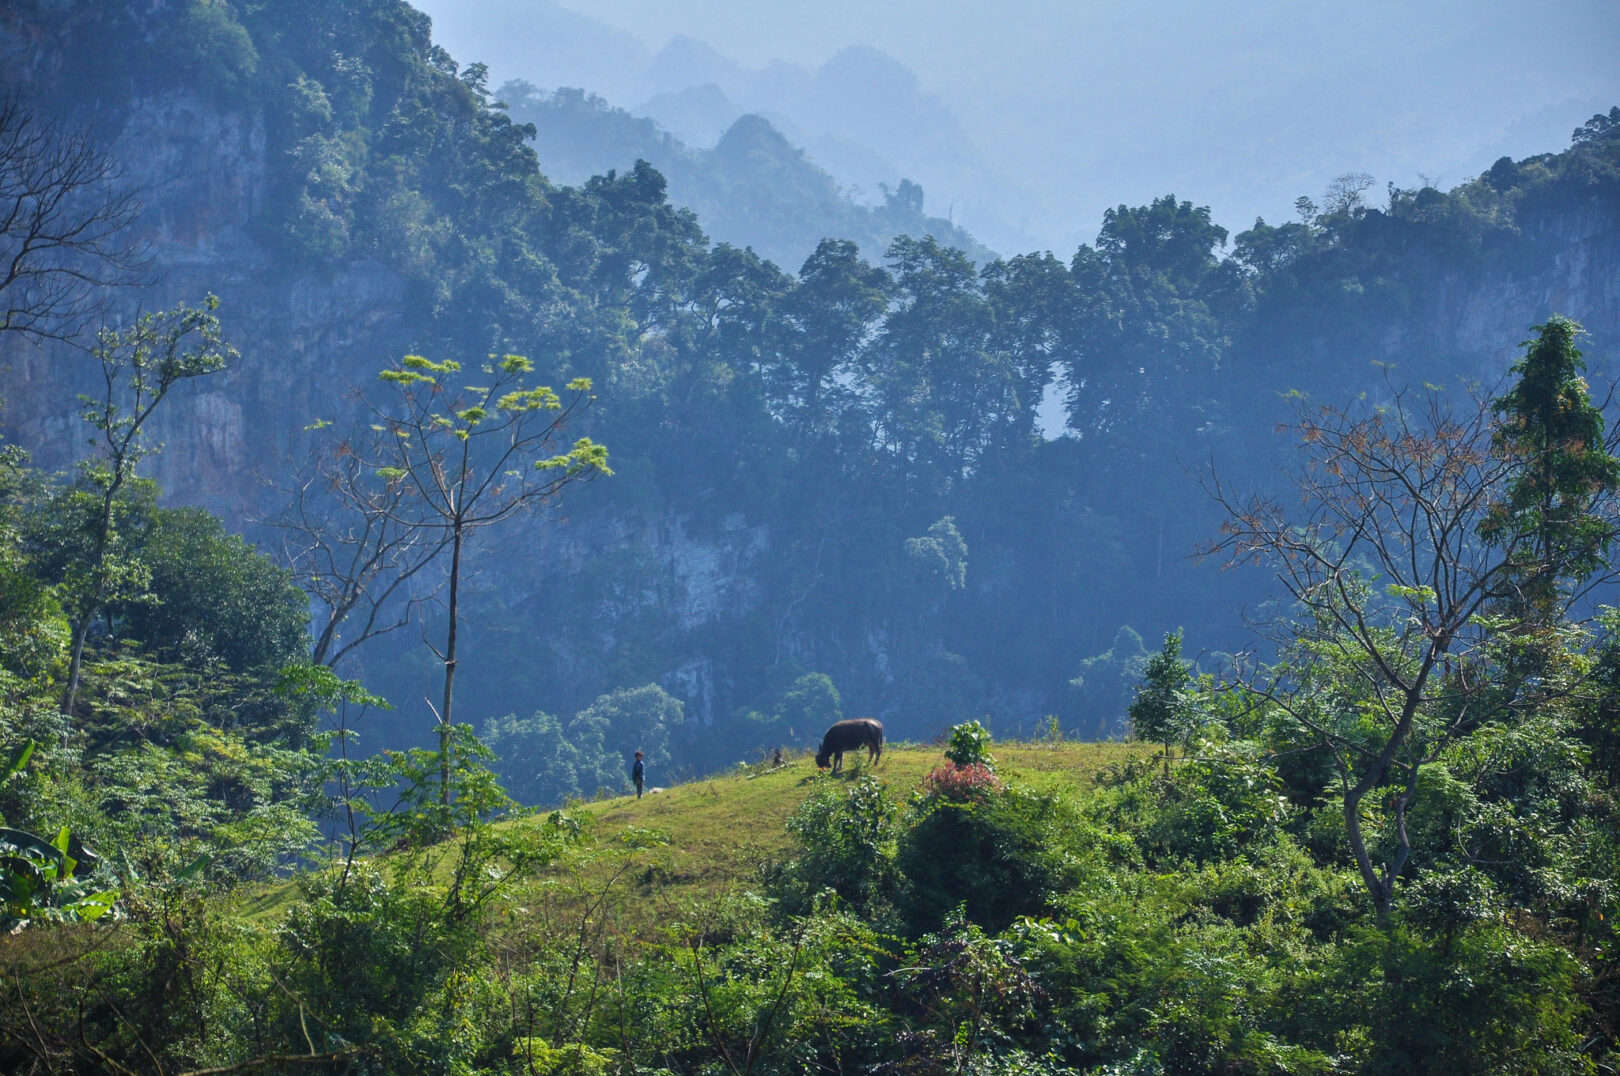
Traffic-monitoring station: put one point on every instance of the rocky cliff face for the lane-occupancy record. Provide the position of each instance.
(305, 337)
(1570, 265)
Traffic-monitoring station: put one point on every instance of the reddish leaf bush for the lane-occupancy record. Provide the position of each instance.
(960, 784)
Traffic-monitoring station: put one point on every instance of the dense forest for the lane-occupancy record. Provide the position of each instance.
(362, 484)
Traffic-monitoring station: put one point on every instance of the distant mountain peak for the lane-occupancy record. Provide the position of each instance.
(872, 68)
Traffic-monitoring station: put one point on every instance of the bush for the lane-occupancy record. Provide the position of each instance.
(845, 843)
(960, 784)
(1000, 858)
(970, 745)
(1226, 803)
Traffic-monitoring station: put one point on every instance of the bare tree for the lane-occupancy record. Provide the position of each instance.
(346, 537)
(1409, 564)
(63, 226)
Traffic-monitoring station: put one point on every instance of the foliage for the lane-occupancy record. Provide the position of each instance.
(1388, 678)
(1553, 432)
(140, 365)
(1440, 737)
(1100, 696)
(209, 592)
(972, 783)
(467, 457)
(999, 858)
(37, 883)
(541, 761)
(812, 701)
(969, 745)
(1164, 709)
(843, 842)
(1221, 805)
(633, 719)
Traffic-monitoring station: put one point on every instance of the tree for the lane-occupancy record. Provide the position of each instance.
(469, 456)
(831, 312)
(1164, 710)
(1553, 434)
(62, 225)
(928, 375)
(638, 718)
(1030, 297)
(139, 366)
(1145, 336)
(352, 543)
(212, 592)
(1401, 647)
(812, 702)
(542, 761)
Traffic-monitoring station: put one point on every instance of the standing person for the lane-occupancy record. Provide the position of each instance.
(638, 773)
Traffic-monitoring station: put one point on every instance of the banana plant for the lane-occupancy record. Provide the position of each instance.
(37, 876)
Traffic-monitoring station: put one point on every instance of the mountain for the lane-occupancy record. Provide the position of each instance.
(753, 188)
(861, 115)
(833, 469)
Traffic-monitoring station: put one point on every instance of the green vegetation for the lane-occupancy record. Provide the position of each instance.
(809, 425)
(1385, 842)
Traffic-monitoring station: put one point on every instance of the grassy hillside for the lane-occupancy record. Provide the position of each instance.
(698, 841)
(692, 843)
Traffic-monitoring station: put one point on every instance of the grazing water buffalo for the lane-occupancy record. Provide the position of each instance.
(851, 736)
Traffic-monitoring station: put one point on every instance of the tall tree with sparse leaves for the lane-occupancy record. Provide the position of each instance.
(467, 454)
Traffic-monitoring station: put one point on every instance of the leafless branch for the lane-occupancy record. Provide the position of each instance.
(64, 225)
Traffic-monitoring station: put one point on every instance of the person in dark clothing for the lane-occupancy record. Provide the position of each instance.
(638, 773)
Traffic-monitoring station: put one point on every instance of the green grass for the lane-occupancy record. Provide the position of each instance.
(644, 860)
(641, 861)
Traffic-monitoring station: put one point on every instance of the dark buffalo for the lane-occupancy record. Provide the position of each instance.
(851, 735)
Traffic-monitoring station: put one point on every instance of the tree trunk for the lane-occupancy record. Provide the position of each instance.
(449, 666)
(92, 601)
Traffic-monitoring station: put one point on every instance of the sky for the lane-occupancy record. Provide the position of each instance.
(1241, 104)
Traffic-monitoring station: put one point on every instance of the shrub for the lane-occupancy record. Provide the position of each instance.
(970, 745)
(999, 858)
(960, 784)
(845, 843)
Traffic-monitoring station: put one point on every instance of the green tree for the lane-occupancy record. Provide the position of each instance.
(810, 702)
(940, 557)
(1146, 334)
(469, 455)
(1165, 709)
(1553, 434)
(1401, 648)
(209, 590)
(139, 366)
(631, 719)
(969, 745)
(541, 761)
(930, 375)
(831, 315)
(1031, 298)
(845, 842)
